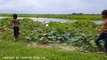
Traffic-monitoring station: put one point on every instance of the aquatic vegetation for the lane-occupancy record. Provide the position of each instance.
(79, 33)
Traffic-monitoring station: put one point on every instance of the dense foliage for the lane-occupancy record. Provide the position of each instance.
(79, 33)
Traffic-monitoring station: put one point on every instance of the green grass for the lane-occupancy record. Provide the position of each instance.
(19, 49)
(60, 16)
(8, 48)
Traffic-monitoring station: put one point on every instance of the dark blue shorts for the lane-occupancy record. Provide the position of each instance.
(16, 31)
(103, 36)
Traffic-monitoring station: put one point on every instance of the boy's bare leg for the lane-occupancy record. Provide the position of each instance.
(14, 39)
(106, 52)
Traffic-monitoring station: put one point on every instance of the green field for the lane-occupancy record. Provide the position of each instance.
(19, 49)
(60, 16)
(81, 33)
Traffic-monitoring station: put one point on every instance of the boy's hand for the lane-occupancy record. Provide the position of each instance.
(100, 30)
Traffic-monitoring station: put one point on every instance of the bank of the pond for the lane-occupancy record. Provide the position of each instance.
(19, 51)
(47, 20)
(59, 16)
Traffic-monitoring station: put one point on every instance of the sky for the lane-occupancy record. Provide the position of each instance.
(52, 6)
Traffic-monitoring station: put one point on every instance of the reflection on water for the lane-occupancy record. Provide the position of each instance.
(2, 17)
(98, 22)
(47, 20)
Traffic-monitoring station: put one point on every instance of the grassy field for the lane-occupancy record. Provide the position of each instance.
(19, 50)
(60, 16)
(56, 32)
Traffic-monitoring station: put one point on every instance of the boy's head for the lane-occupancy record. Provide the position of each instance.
(15, 16)
(104, 14)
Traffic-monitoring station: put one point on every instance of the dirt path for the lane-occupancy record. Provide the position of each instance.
(58, 46)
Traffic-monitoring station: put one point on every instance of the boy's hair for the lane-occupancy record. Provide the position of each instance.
(15, 16)
(104, 14)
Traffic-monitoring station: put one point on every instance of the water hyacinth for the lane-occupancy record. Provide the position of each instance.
(79, 33)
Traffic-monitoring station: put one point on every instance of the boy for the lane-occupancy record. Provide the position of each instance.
(15, 25)
(103, 35)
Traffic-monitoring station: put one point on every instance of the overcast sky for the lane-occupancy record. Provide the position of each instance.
(52, 6)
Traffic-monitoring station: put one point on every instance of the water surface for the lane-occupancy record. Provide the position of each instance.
(47, 20)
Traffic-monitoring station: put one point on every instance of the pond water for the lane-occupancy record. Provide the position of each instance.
(47, 20)
(2, 17)
(98, 22)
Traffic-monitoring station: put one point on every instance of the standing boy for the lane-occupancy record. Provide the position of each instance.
(15, 25)
(103, 35)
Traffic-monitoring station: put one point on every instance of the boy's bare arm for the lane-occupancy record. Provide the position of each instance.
(12, 24)
(104, 27)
